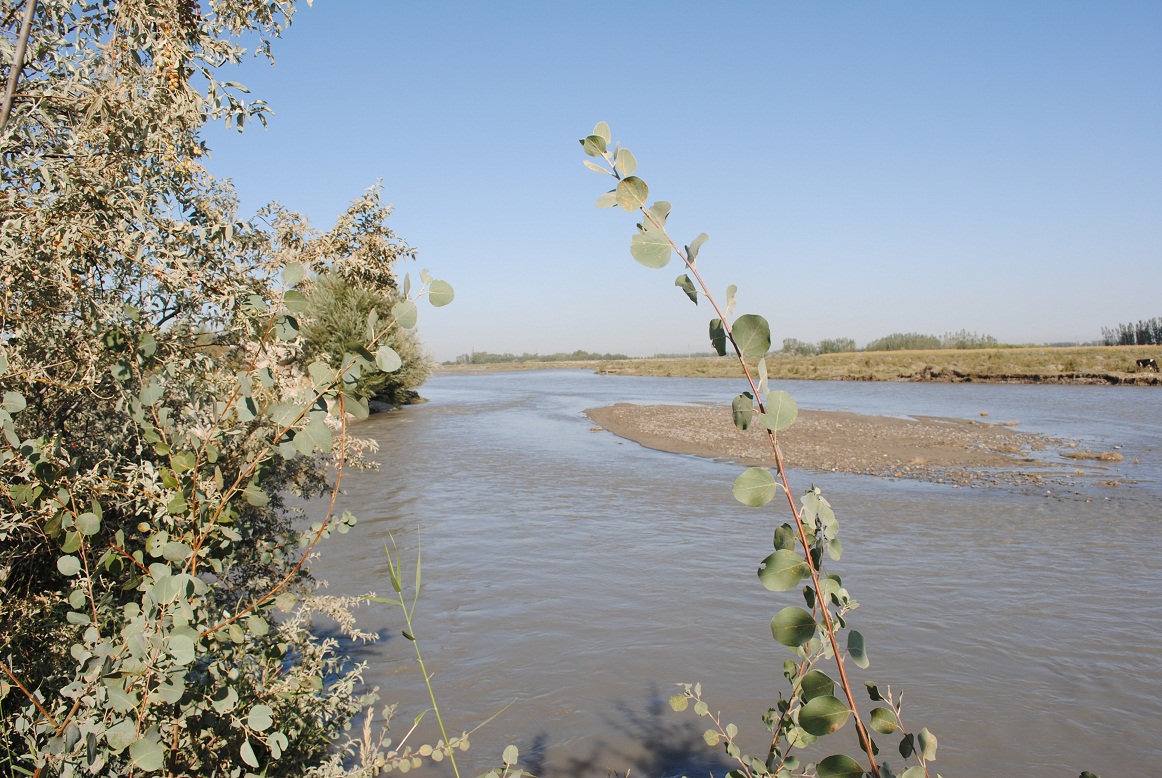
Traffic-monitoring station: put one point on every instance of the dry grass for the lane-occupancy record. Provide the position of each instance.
(1101, 456)
(1082, 364)
(1097, 364)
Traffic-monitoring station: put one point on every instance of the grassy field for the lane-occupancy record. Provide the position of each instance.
(1073, 365)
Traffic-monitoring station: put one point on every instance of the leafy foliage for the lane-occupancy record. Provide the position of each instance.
(159, 403)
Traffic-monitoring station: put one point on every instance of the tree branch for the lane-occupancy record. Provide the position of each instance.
(17, 63)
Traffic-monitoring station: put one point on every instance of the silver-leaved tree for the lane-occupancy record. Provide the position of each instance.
(158, 402)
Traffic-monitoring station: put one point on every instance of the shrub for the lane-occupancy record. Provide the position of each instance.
(904, 341)
(836, 346)
(799, 348)
(157, 404)
(334, 323)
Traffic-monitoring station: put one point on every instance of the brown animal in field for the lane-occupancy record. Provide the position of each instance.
(1148, 363)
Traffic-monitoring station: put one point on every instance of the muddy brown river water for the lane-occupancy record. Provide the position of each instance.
(579, 576)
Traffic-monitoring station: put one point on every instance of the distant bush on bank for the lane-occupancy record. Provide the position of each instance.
(914, 341)
(897, 341)
(1144, 333)
(904, 341)
(836, 346)
(799, 348)
(487, 358)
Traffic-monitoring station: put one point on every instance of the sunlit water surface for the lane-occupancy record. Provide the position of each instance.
(579, 576)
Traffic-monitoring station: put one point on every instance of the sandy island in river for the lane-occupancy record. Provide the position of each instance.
(956, 451)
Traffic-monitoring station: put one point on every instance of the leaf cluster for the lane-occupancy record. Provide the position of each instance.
(820, 701)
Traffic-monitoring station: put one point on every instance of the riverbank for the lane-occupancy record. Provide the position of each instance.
(1095, 365)
(943, 450)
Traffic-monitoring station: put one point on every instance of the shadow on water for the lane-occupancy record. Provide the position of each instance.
(660, 744)
(355, 651)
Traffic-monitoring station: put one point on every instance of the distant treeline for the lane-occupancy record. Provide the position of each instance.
(897, 341)
(1144, 333)
(488, 358)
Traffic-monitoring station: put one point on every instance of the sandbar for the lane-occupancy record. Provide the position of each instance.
(957, 451)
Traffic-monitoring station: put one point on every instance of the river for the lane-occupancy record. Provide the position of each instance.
(579, 576)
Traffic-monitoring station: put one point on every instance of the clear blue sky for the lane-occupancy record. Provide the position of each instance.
(861, 168)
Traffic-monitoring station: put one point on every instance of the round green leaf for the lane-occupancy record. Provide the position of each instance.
(315, 435)
(121, 371)
(440, 293)
(510, 756)
(293, 273)
(147, 345)
(607, 200)
(718, 336)
(68, 566)
(752, 335)
(224, 701)
(684, 283)
(247, 753)
(785, 537)
(183, 461)
(793, 626)
(594, 145)
(387, 360)
(147, 755)
(782, 410)
(883, 721)
(626, 162)
(13, 402)
(742, 410)
(650, 247)
(927, 742)
(295, 301)
(692, 249)
(834, 549)
(120, 734)
(631, 193)
(679, 703)
(181, 648)
(783, 570)
(601, 130)
(756, 486)
(817, 684)
(857, 650)
(838, 766)
(260, 718)
(660, 211)
(823, 715)
(255, 495)
(322, 375)
(286, 327)
(405, 313)
(150, 393)
(88, 524)
(175, 551)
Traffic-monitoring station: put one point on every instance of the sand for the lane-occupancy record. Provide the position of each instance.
(958, 451)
